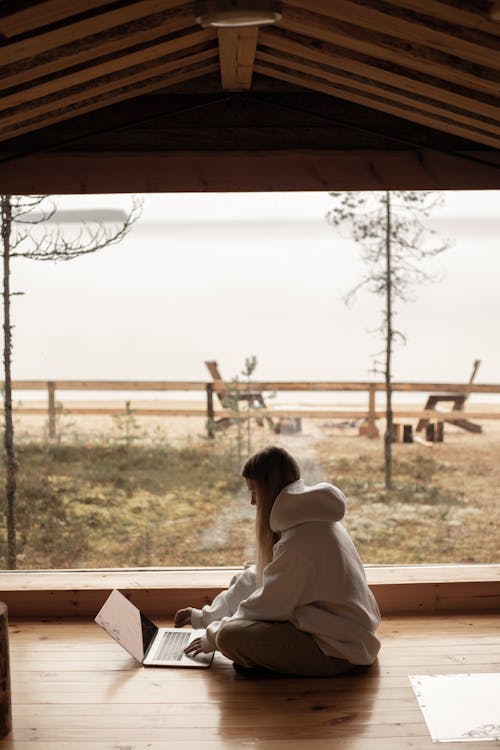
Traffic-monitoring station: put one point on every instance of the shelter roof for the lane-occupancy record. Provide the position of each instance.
(345, 94)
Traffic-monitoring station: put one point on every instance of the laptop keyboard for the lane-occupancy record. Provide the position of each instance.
(172, 645)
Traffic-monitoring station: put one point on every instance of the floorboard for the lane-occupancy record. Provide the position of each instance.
(73, 688)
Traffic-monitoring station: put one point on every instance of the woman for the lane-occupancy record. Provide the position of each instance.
(305, 608)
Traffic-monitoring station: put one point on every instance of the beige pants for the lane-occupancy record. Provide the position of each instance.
(277, 646)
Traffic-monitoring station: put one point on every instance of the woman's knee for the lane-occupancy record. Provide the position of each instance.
(228, 637)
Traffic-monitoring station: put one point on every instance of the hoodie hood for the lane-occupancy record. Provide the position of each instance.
(298, 503)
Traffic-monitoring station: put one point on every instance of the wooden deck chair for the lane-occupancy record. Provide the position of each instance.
(227, 397)
(458, 400)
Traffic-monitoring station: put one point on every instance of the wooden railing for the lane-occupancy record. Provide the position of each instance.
(370, 414)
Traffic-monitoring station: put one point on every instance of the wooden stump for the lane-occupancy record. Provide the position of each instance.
(407, 433)
(396, 432)
(434, 433)
(5, 704)
(430, 432)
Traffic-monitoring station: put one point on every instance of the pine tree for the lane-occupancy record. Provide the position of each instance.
(395, 242)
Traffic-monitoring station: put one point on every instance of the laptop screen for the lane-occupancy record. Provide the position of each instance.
(126, 624)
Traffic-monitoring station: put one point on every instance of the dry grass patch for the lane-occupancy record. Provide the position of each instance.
(104, 504)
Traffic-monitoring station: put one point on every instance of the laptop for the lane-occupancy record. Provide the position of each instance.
(150, 645)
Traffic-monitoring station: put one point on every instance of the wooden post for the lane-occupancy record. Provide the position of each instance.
(371, 431)
(51, 387)
(210, 410)
(5, 703)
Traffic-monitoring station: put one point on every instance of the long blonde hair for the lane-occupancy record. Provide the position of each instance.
(271, 469)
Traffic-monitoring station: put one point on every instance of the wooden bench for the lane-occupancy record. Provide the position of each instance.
(458, 400)
(230, 397)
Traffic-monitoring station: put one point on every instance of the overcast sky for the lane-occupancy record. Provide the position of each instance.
(223, 277)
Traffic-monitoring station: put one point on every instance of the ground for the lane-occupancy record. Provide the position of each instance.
(160, 493)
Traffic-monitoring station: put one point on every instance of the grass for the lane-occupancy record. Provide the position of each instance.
(443, 507)
(104, 505)
(137, 504)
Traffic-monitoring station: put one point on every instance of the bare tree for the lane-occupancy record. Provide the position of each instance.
(390, 228)
(30, 229)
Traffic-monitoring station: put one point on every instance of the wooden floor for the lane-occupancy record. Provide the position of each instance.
(73, 688)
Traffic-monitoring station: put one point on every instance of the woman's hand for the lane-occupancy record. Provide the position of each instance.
(183, 617)
(194, 648)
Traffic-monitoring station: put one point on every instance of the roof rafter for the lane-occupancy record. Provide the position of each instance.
(378, 71)
(381, 45)
(377, 102)
(428, 67)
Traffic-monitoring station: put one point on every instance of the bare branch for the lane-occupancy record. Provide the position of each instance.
(25, 233)
(56, 245)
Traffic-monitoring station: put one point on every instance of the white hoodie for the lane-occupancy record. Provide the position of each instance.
(315, 580)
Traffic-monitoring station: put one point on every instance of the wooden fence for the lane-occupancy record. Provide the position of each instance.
(370, 414)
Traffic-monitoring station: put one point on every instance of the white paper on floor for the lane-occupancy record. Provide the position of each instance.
(460, 707)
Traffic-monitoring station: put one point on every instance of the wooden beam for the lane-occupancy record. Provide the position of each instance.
(436, 111)
(466, 15)
(233, 171)
(99, 45)
(416, 56)
(386, 19)
(77, 593)
(138, 411)
(355, 414)
(112, 385)
(74, 32)
(398, 96)
(265, 385)
(228, 56)
(297, 45)
(380, 102)
(236, 53)
(62, 82)
(22, 20)
(109, 90)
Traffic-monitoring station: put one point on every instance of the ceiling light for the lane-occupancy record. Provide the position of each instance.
(228, 14)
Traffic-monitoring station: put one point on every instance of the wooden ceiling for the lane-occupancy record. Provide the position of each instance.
(415, 79)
